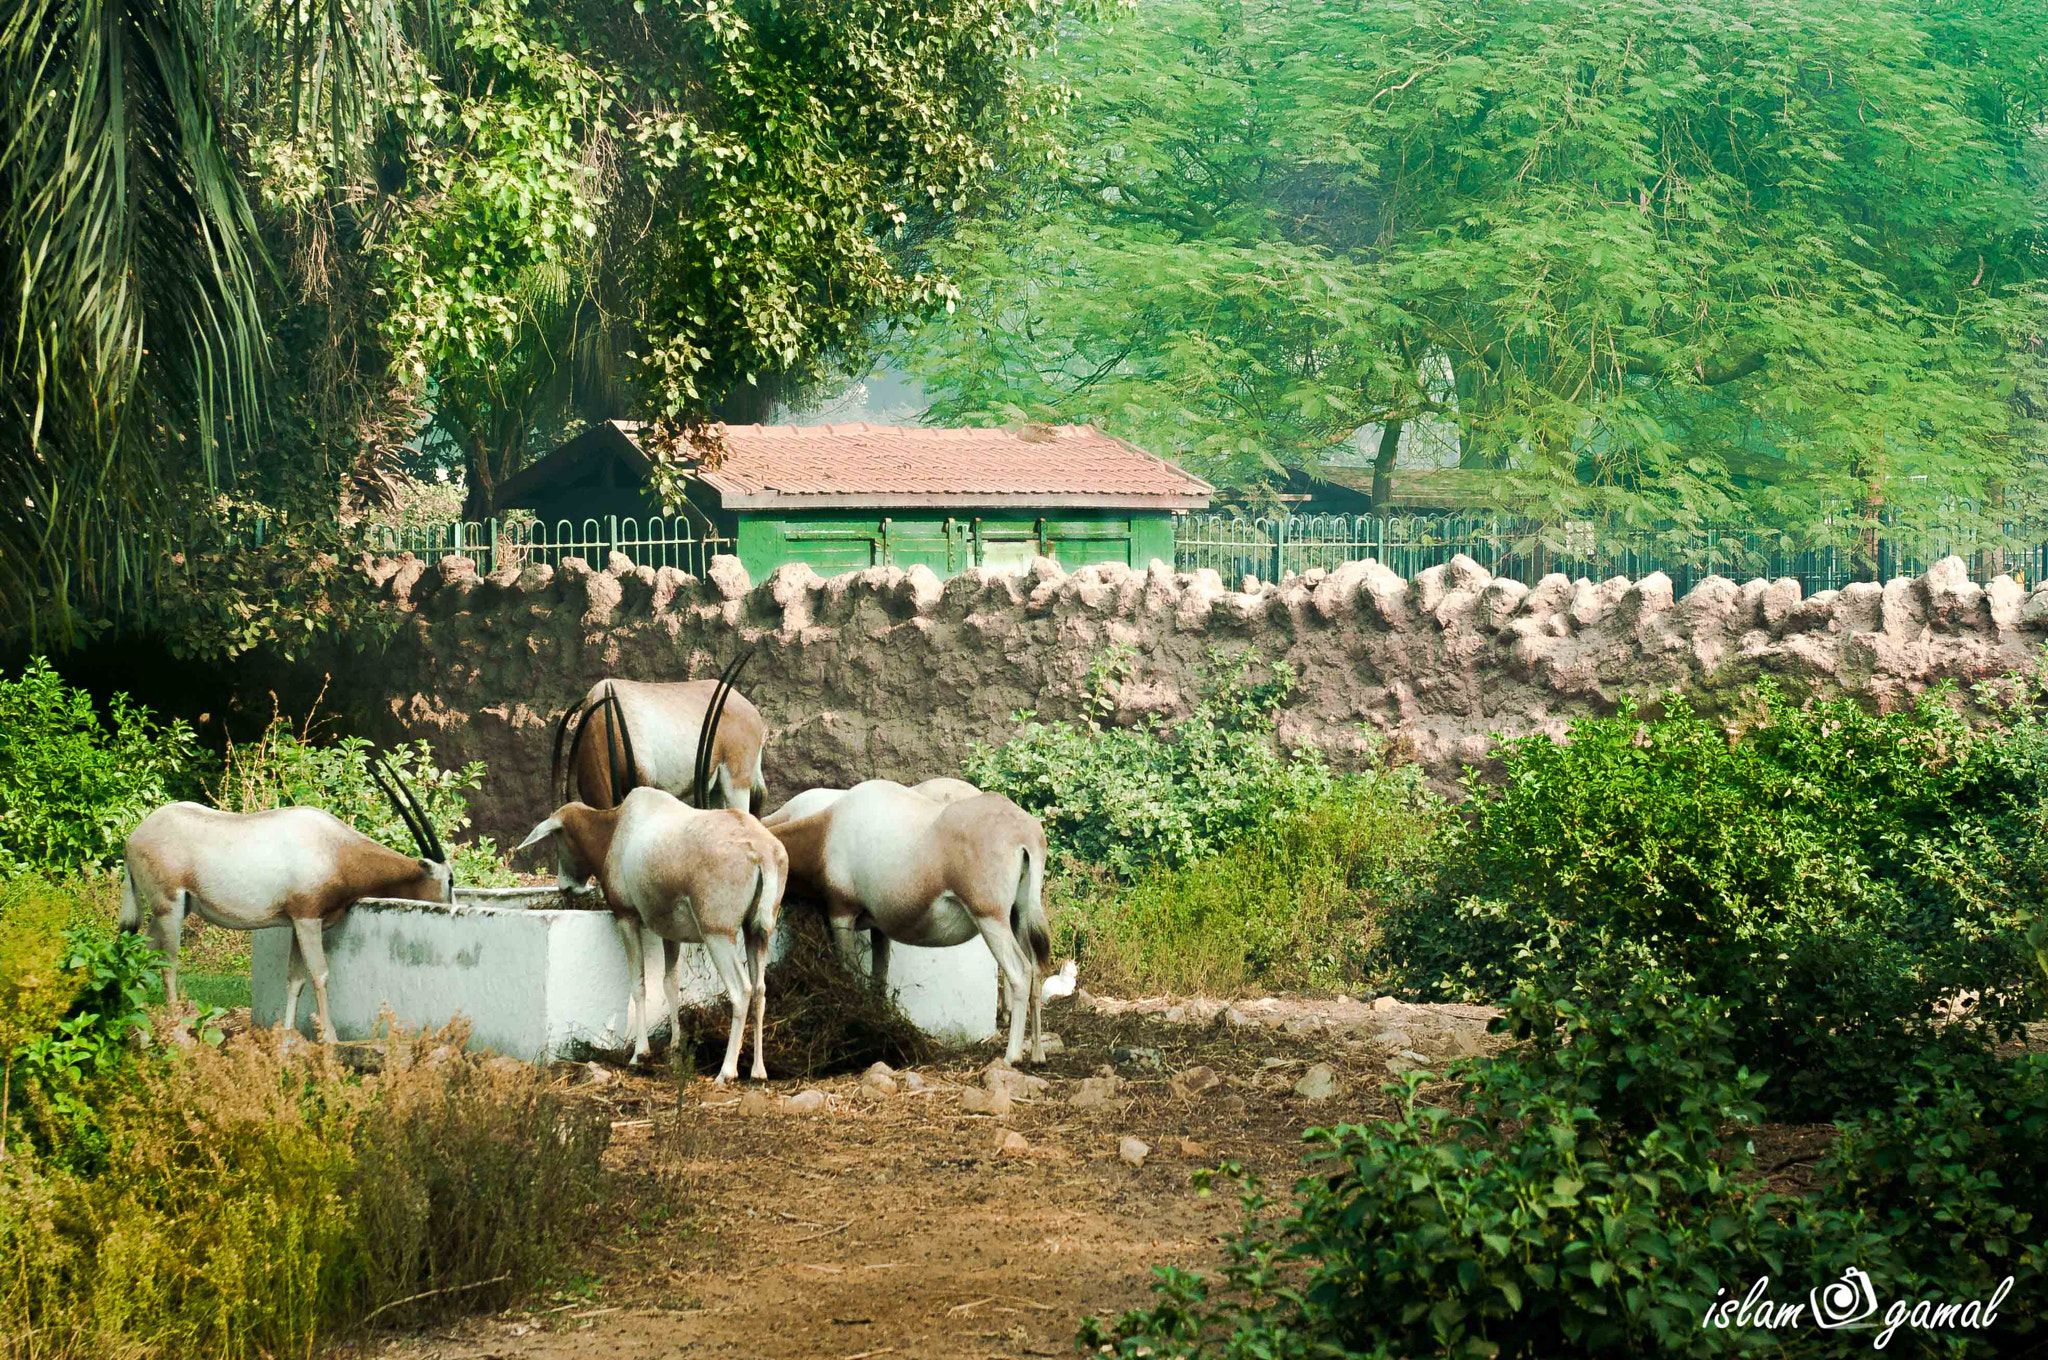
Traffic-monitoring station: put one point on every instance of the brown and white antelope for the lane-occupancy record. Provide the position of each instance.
(672, 875)
(661, 726)
(297, 866)
(916, 871)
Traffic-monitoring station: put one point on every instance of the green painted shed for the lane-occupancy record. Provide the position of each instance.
(846, 497)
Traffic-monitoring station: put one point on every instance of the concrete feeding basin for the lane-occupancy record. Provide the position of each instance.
(540, 974)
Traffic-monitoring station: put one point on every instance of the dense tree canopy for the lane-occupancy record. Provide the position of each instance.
(1686, 262)
(250, 247)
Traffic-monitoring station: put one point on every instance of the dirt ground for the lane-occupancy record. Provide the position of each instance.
(897, 1225)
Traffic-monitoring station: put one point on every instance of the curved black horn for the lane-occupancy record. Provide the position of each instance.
(618, 721)
(575, 746)
(385, 780)
(428, 836)
(561, 731)
(707, 736)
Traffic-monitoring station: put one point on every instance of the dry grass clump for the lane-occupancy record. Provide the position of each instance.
(822, 1019)
(258, 1203)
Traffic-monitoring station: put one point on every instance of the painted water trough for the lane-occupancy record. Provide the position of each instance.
(540, 974)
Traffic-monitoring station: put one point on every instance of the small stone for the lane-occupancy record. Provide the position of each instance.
(1392, 1038)
(1093, 1092)
(985, 1102)
(754, 1102)
(914, 1081)
(1231, 1104)
(1300, 1025)
(1145, 1059)
(1176, 1014)
(1054, 1044)
(1406, 1060)
(1133, 1151)
(1001, 1077)
(1238, 1019)
(804, 1102)
(1386, 1003)
(879, 1080)
(1319, 1083)
(1082, 997)
(1194, 1081)
(1011, 1143)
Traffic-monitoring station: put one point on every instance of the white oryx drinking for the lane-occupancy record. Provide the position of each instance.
(299, 866)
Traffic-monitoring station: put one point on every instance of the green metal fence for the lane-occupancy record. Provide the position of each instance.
(1270, 548)
(684, 543)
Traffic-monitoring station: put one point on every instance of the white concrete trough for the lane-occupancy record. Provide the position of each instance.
(540, 975)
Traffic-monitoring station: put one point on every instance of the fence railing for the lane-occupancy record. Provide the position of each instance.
(683, 543)
(1269, 548)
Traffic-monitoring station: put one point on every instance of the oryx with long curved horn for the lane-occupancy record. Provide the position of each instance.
(297, 866)
(659, 727)
(674, 874)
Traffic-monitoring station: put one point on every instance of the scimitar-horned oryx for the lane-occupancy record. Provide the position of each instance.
(907, 868)
(673, 874)
(300, 866)
(663, 725)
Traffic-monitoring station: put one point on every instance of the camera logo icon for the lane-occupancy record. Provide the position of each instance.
(1848, 1303)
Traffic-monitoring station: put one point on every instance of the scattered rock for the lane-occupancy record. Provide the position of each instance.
(975, 1101)
(1237, 1018)
(1386, 1003)
(1318, 1083)
(1054, 1044)
(1000, 1077)
(1406, 1060)
(1300, 1025)
(1176, 1014)
(755, 1102)
(914, 1081)
(1193, 1082)
(1133, 1150)
(1011, 1143)
(804, 1102)
(1231, 1104)
(1093, 1092)
(1396, 1039)
(880, 1079)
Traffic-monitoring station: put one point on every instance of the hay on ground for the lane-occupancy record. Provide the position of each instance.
(822, 1019)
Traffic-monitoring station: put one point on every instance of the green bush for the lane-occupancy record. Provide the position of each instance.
(71, 991)
(1829, 878)
(283, 768)
(1525, 1222)
(74, 784)
(1130, 798)
(254, 1204)
(1295, 908)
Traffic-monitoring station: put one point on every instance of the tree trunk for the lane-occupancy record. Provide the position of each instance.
(1383, 466)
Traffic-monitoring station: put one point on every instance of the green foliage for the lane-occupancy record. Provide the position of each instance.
(283, 768)
(1723, 261)
(253, 1205)
(1296, 908)
(1152, 794)
(1830, 878)
(1595, 1194)
(71, 992)
(1519, 1219)
(73, 784)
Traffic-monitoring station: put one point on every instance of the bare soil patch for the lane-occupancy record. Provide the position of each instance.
(897, 1224)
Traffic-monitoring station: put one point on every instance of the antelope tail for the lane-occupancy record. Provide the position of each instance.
(1027, 913)
(757, 924)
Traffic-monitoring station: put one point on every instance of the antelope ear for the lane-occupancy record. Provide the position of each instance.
(539, 834)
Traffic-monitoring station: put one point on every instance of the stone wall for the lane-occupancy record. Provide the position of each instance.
(889, 673)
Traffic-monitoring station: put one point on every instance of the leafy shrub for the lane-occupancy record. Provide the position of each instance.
(1950, 1176)
(1295, 908)
(1151, 794)
(1830, 878)
(254, 1204)
(74, 784)
(71, 990)
(283, 768)
(1531, 1224)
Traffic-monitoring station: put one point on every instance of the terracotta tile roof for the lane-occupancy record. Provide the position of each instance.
(870, 465)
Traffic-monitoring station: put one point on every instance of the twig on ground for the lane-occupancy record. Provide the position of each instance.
(430, 1293)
